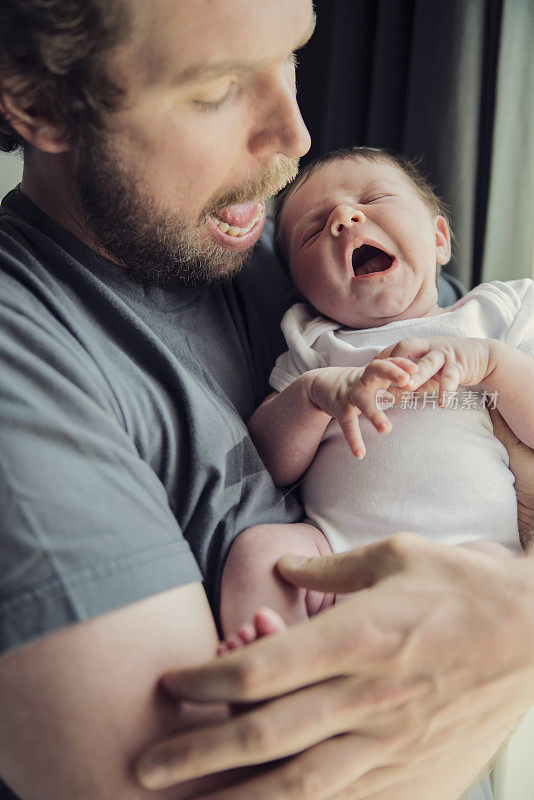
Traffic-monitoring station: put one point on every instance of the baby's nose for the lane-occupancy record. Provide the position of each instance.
(345, 217)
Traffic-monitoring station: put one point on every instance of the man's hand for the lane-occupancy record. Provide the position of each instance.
(345, 393)
(522, 465)
(402, 692)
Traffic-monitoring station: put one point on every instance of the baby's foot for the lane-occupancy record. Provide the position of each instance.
(265, 623)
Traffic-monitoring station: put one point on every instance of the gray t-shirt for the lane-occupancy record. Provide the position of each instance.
(125, 464)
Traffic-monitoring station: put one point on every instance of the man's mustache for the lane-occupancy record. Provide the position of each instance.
(279, 174)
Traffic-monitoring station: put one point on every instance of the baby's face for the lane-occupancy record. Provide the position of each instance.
(363, 245)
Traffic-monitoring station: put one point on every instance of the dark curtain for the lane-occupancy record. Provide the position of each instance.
(451, 80)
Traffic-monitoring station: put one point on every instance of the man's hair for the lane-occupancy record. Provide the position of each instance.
(53, 53)
(410, 167)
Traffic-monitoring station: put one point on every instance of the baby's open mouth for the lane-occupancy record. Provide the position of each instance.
(367, 259)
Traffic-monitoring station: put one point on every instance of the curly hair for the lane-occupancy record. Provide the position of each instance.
(54, 54)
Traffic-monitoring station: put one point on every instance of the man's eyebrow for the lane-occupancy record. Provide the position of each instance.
(207, 72)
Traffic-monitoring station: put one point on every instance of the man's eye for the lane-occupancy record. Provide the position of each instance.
(216, 99)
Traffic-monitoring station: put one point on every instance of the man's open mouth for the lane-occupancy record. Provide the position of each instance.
(239, 226)
(368, 259)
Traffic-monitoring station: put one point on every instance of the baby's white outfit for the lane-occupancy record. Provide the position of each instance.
(440, 472)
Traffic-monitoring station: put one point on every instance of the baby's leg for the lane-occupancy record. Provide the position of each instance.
(251, 581)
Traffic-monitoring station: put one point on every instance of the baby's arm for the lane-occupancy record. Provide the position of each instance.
(500, 369)
(511, 375)
(250, 580)
(288, 427)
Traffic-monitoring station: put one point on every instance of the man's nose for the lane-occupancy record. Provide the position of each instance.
(344, 217)
(280, 128)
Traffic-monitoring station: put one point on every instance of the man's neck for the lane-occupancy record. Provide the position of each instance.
(48, 182)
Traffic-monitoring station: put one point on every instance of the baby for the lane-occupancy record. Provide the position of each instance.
(364, 236)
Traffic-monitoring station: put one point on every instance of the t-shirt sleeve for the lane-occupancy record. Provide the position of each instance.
(298, 329)
(85, 525)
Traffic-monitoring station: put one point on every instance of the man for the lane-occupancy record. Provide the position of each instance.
(152, 132)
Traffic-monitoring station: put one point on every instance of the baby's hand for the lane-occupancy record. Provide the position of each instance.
(444, 362)
(345, 393)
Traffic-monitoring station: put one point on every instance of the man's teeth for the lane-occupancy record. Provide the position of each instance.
(233, 230)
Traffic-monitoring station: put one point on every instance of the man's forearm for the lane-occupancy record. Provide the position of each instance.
(287, 429)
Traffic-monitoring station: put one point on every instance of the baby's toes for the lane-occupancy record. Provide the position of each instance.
(268, 622)
(247, 633)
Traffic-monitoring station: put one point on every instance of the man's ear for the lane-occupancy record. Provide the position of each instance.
(443, 240)
(35, 129)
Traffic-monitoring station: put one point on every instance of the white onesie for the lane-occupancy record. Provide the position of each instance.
(440, 472)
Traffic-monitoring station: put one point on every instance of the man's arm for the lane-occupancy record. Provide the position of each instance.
(79, 704)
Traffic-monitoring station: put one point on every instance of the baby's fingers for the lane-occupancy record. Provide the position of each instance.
(429, 365)
(383, 372)
(348, 422)
(449, 381)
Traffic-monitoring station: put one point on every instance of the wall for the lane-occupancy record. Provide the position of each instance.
(10, 172)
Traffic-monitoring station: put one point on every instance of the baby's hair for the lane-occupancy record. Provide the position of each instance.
(410, 167)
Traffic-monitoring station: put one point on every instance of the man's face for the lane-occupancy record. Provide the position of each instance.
(210, 128)
(363, 244)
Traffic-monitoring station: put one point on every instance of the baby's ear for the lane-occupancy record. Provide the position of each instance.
(33, 126)
(443, 240)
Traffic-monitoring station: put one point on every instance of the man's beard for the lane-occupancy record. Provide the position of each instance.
(155, 245)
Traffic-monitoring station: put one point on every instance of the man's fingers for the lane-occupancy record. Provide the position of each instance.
(344, 573)
(315, 769)
(267, 668)
(278, 729)
(317, 774)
